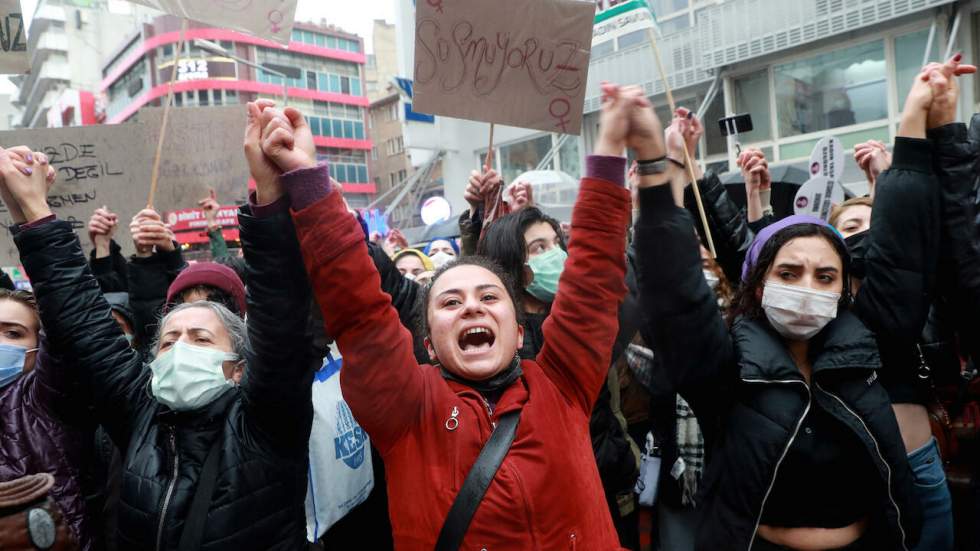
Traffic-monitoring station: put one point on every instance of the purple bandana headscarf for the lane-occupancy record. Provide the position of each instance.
(766, 234)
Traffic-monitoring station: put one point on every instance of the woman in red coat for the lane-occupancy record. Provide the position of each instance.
(431, 421)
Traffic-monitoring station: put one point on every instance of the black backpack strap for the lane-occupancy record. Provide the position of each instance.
(477, 481)
(197, 515)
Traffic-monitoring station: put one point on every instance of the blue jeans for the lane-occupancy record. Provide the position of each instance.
(934, 497)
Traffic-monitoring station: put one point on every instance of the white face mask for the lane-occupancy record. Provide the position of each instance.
(187, 377)
(798, 313)
(712, 279)
(441, 258)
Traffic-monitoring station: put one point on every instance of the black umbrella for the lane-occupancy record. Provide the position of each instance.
(786, 182)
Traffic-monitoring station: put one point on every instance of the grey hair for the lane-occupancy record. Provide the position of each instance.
(234, 324)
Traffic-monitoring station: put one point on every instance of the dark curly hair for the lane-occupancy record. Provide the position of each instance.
(474, 260)
(504, 243)
(746, 302)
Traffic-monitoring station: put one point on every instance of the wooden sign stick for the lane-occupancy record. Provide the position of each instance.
(166, 116)
(687, 154)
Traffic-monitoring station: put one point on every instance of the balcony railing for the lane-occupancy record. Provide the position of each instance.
(636, 65)
(734, 31)
(738, 30)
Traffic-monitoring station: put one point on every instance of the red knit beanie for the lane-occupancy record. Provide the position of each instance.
(214, 275)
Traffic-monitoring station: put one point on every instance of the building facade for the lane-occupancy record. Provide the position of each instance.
(382, 64)
(803, 70)
(324, 70)
(66, 41)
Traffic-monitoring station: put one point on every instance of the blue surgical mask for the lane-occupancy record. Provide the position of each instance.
(12, 362)
(547, 268)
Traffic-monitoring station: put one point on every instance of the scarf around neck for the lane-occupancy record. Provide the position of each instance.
(496, 384)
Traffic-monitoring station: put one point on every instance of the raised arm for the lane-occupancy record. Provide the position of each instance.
(580, 331)
(279, 370)
(380, 378)
(904, 244)
(153, 268)
(79, 327)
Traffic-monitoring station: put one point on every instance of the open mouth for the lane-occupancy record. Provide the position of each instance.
(476, 339)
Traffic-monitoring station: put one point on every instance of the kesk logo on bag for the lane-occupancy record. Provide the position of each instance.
(349, 444)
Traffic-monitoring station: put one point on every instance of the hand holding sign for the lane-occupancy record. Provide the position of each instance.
(101, 227)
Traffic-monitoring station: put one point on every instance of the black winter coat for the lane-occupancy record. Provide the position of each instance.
(149, 279)
(729, 228)
(112, 272)
(748, 394)
(264, 424)
(955, 167)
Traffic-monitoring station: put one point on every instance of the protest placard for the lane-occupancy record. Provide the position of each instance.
(13, 39)
(110, 165)
(96, 165)
(202, 151)
(516, 62)
(271, 19)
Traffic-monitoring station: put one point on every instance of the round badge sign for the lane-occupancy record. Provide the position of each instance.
(41, 528)
(827, 159)
(817, 196)
(435, 209)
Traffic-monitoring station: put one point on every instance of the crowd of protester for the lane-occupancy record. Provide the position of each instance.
(525, 384)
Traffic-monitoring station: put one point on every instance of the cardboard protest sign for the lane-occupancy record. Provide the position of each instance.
(111, 164)
(823, 190)
(203, 151)
(516, 62)
(96, 165)
(270, 19)
(13, 39)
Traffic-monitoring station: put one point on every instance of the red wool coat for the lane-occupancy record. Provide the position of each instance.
(547, 493)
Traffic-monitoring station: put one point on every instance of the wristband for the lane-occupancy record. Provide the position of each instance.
(651, 168)
(676, 162)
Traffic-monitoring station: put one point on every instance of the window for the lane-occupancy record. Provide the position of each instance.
(402, 174)
(752, 96)
(664, 7)
(909, 50)
(311, 80)
(374, 153)
(393, 179)
(675, 24)
(321, 40)
(603, 49)
(314, 125)
(632, 39)
(202, 97)
(345, 85)
(831, 90)
(714, 141)
(518, 158)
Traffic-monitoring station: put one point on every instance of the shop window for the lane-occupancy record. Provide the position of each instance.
(515, 159)
(909, 50)
(831, 90)
(752, 97)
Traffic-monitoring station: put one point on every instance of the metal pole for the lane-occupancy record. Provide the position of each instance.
(952, 35)
(932, 36)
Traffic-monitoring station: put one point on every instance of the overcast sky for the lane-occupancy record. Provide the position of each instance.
(352, 16)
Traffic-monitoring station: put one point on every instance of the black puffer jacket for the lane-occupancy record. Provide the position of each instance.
(264, 424)
(726, 220)
(955, 166)
(149, 279)
(748, 394)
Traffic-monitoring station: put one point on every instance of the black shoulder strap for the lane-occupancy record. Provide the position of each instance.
(197, 515)
(477, 481)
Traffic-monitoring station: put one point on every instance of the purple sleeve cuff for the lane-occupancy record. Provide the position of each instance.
(306, 186)
(611, 169)
(39, 222)
(279, 206)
